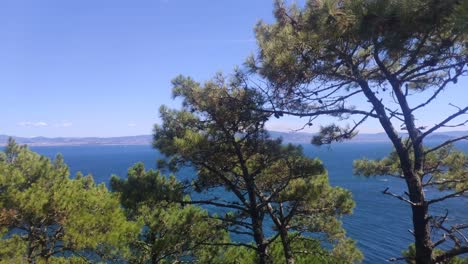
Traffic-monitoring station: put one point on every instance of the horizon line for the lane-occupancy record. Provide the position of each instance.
(278, 131)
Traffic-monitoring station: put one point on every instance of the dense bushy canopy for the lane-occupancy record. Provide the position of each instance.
(172, 231)
(46, 216)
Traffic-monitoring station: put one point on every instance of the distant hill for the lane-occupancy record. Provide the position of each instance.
(72, 141)
(302, 137)
(289, 137)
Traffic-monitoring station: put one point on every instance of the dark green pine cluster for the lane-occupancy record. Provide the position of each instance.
(48, 217)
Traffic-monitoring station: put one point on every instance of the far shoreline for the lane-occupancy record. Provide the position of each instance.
(141, 140)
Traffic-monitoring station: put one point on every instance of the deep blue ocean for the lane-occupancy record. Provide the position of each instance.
(379, 224)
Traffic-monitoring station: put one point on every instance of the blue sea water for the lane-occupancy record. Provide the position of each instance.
(379, 224)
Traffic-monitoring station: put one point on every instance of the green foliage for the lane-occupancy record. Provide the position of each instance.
(313, 42)
(387, 166)
(311, 251)
(145, 187)
(46, 214)
(52, 260)
(350, 60)
(316, 204)
(411, 253)
(319, 56)
(220, 132)
(444, 168)
(308, 251)
(228, 255)
(172, 231)
(331, 133)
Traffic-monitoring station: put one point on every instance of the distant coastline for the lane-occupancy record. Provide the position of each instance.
(288, 137)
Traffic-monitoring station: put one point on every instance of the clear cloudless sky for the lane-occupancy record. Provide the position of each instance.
(103, 68)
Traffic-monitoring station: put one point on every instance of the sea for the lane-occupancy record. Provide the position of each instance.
(380, 224)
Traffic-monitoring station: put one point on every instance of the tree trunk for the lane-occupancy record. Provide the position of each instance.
(257, 224)
(259, 238)
(263, 254)
(422, 236)
(419, 208)
(30, 247)
(257, 221)
(256, 215)
(421, 226)
(286, 246)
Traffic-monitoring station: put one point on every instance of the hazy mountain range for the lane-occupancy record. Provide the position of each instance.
(290, 137)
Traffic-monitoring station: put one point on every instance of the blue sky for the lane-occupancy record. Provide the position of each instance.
(103, 68)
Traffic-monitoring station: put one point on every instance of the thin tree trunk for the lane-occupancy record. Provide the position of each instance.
(422, 238)
(259, 237)
(30, 247)
(286, 246)
(282, 224)
(423, 242)
(256, 215)
(257, 224)
(422, 235)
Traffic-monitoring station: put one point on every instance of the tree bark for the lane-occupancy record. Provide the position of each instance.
(259, 237)
(423, 242)
(422, 236)
(255, 214)
(421, 227)
(286, 246)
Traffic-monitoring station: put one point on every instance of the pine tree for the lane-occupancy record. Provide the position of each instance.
(381, 54)
(218, 133)
(46, 217)
(172, 231)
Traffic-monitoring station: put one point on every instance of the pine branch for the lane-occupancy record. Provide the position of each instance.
(231, 244)
(450, 254)
(434, 95)
(398, 196)
(211, 202)
(322, 112)
(447, 196)
(432, 183)
(446, 143)
(443, 123)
